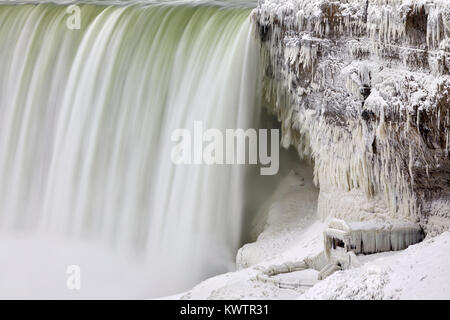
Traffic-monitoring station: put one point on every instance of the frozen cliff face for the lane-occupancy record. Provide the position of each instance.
(363, 88)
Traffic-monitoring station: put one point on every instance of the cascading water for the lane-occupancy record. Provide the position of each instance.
(86, 118)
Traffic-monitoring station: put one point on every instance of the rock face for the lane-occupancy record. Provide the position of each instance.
(362, 87)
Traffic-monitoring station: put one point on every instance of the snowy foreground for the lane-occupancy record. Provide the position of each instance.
(292, 232)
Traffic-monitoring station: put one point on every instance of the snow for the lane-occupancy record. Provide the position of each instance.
(291, 233)
(419, 272)
(361, 90)
(353, 83)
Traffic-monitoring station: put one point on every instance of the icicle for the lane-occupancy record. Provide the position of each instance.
(411, 162)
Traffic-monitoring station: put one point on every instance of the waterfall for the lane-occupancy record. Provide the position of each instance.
(86, 118)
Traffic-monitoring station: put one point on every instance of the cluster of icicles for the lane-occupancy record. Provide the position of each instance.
(341, 155)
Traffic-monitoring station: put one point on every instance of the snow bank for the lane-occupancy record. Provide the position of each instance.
(290, 209)
(290, 234)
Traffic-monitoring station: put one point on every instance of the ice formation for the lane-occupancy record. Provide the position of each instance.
(86, 118)
(363, 89)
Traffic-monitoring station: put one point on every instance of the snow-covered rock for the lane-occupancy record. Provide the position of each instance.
(362, 87)
(419, 272)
